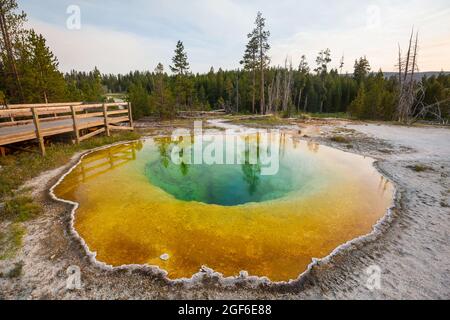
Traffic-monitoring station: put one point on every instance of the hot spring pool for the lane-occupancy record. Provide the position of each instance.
(136, 205)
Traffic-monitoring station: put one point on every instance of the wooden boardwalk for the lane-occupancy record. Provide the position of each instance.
(36, 122)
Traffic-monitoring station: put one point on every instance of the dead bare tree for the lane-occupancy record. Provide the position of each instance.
(270, 89)
(287, 85)
(274, 91)
(411, 106)
(305, 107)
(407, 85)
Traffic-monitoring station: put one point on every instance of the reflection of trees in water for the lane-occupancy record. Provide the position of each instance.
(184, 168)
(252, 172)
(383, 185)
(313, 147)
(163, 149)
(164, 144)
(295, 142)
(282, 145)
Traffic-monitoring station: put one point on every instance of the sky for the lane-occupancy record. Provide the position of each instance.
(120, 36)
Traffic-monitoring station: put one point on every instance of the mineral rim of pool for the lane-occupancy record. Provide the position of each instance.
(138, 207)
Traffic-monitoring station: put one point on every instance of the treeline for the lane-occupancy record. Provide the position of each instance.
(363, 94)
(29, 74)
(233, 90)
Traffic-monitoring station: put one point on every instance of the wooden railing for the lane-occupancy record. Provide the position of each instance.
(27, 122)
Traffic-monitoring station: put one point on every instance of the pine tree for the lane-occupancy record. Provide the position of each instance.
(140, 100)
(250, 62)
(161, 99)
(229, 90)
(361, 69)
(86, 87)
(263, 59)
(180, 68)
(93, 90)
(40, 72)
(180, 64)
(303, 67)
(322, 61)
(356, 108)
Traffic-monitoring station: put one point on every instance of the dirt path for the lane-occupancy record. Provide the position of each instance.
(411, 246)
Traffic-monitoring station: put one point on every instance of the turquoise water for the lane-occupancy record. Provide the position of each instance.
(230, 185)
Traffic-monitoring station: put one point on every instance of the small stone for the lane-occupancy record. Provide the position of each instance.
(164, 257)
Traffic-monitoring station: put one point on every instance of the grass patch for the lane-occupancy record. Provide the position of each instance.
(261, 121)
(11, 240)
(337, 115)
(340, 139)
(20, 208)
(420, 168)
(344, 131)
(21, 167)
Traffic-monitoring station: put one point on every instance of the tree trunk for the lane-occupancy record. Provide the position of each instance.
(9, 52)
(299, 100)
(254, 91)
(261, 67)
(262, 89)
(237, 94)
(278, 91)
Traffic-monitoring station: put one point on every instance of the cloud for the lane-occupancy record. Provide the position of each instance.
(214, 32)
(375, 31)
(111, 51)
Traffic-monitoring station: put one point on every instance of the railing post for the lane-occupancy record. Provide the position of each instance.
(130, 115)
(11, 117)
(105, 115)
(75, 124)
(38, 130)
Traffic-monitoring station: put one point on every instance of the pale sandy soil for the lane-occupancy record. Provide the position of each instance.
(411, 245)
